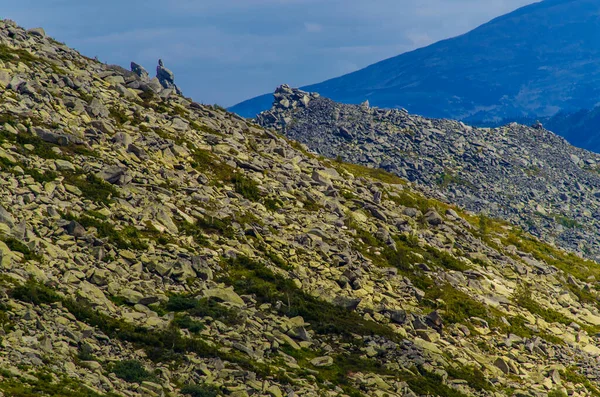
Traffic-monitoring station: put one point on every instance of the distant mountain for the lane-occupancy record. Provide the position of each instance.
(535, 62)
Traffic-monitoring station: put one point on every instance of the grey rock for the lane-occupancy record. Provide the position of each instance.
(40, 32)
(140, 71)
(115, 175)
(6, 217)
(166, 77)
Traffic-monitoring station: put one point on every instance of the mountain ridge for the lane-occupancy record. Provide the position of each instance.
(522, 174)
(532, 63)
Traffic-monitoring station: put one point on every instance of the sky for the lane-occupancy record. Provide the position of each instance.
(226, 51)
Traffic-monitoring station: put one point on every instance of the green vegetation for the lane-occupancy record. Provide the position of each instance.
(343, 365)
(484, 225)
(447, 178)
(200, 391)
(407, 252)
(93, 188)
(126, 238)
(207, 225)
(459, 307)
(571, 374)
(429, 384)
(44, 384)
(186, 322)
(206, 162)
(38, 176)
(523, 298)
(200, 308)
(415, 200)
(557, 393)
(204, 128)
(519, 328)
(311, 205)
(160, 345)
(17, 246)
(272, 204)
(373, 173)
(246, 187)
(41, 148)
(250, 277)
(566, 261)
(533, 171)
(131, 371)
(567, 222)
(472, 375)
(5, 322)
(8, 54)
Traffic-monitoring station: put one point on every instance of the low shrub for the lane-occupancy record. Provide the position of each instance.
(200, 391)
(131, 371)
(250, 277)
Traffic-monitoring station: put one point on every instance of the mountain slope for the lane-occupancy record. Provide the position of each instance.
(153, 246)
(526, 175)
(533, 62)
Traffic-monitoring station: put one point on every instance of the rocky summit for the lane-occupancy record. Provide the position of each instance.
(526, 175)
(152, 246)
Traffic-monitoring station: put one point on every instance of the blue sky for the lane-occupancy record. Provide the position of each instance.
(225, 51)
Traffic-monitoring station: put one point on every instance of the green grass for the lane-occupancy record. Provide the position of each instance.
(126, 238)
(246, 187)
(566, 261)
(41, 148)
(17, 246)
(186, 322)
(458, 307)
(472, 375)
(93, 188)
(567, 222)
(571, 374)
(524, 299)
(201, 308)
(204, 128)
(131, 371)
(164, 345)
(6, 323)
(118, 115)
(429, 384)
(447, 178)
(207, 225)
(343, 365)
(200, 391)
(13, 55)
(373, 173)
(250, 277)
(403, 257)
(43, 384)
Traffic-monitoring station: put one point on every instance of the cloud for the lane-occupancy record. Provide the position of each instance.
(313, 27)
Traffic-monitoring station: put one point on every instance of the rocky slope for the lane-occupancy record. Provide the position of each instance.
(152, 246)
(526, 175)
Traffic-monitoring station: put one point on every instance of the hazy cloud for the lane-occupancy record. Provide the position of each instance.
(313, 27)
(228, 51)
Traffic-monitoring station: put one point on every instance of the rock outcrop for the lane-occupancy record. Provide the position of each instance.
(153, 246)
(525, 175)
(166, 77)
